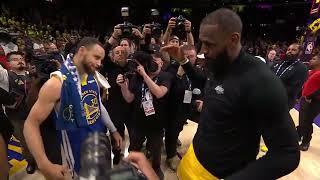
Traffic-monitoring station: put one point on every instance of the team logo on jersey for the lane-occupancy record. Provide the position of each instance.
(91, 106)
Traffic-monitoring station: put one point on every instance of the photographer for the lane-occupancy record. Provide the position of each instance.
(119, 109)
(172, 25)
(148, 91)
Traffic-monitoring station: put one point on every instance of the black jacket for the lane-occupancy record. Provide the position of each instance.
(292, 78)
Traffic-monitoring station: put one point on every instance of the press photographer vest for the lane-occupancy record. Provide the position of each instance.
(71, 133)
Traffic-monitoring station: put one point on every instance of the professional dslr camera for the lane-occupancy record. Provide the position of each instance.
(179, 30)
(145, 59)
(155, 27)
(126, 27)
(96, 161)
(45, 64)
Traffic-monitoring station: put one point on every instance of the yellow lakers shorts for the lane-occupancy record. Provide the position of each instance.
(191, 169)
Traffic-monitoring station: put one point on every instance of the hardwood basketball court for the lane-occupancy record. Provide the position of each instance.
(309, 168)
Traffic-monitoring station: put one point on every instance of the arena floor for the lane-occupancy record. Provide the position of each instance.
(308, 168)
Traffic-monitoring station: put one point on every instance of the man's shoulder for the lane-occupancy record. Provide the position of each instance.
(53, 85)
(258, 72)
(302, 66)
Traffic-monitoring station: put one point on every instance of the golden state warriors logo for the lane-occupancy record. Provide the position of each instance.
(91, 106)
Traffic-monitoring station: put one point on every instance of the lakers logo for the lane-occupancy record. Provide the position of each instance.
(91, 106)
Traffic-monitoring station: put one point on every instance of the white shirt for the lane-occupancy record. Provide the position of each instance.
(4, 80)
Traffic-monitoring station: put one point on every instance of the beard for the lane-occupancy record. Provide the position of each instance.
(219, 65)
(86, 66)
(291, 57)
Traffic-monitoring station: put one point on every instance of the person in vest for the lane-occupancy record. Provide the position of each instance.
(73, 95)
(16, 82)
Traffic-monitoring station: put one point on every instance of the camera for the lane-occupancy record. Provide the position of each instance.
(156, 29)
(180, 20)
(146, 60)
(179, 30)
(130, 69)
(155, 26)
(96, 161)
(126, 26)
(44, 64)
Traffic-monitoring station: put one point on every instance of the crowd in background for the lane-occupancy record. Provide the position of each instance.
(171, 81)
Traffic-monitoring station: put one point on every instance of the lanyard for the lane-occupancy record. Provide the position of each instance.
(145, 89)
(291, 65)
(189, 83)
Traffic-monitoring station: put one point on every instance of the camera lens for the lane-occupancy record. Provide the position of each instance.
(95, 155)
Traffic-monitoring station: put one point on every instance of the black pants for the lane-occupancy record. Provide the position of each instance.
(172, 131)
(154, 138)
(119, 124)
(307, 113)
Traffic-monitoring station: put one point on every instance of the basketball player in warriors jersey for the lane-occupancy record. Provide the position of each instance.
(72, 98)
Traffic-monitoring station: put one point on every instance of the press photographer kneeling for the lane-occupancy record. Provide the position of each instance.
(148, 91)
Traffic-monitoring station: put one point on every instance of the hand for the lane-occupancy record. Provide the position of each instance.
(117, 139)
(199, 105)
(142, 164)
(54, 171)
(180, 71)
(171, 24)
(141, 70)
(146, 29)
(175, 52)
(137, 33)
(187, 25)
(122, 81)
(117, 31)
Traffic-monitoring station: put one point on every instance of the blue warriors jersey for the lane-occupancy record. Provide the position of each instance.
(71, 138)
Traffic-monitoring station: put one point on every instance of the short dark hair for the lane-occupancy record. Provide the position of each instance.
(88, 42)
(14, 53)
(128, 40)
(300, 48)
(188, 47)
(228, 20)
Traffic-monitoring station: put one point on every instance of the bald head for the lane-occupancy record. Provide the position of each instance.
(119, 55)
(227, 20)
